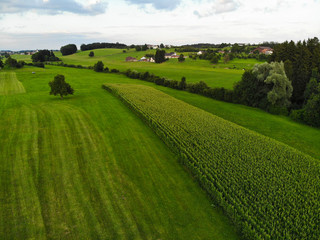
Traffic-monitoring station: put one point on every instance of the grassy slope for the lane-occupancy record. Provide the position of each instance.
(86, 167)
(9, 84)
(194, 70)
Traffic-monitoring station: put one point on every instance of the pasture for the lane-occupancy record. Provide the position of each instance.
(87, 168)
(215, 75)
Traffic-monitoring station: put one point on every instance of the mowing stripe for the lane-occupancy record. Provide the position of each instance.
(59, 183)
(9, 84)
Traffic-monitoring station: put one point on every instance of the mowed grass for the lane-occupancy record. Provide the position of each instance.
(9, 84)
(87, 168)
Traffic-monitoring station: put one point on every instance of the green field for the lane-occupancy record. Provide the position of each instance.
(87, 168)
(219, 75)
(193, 70)
(9, 84)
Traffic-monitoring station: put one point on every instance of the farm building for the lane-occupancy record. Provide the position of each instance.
(171, 55)
(263, 50)
(131, 59)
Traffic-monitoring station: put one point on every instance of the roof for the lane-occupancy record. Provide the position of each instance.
(131, 59)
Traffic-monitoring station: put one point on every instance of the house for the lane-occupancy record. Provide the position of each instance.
(151, 60)
(171, 55)
(199, 53)
(221, 51)
(131, 59)
(263, 50)
(143, 59)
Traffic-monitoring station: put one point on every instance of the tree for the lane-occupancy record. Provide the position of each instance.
(312, 110)
(226, 58)
(13, 63)
(282, 89)
(144, 47)
(91, 54)
(181, 58)
(161, 45)
(160, 56)
(44, 55)
(215, 59)
(60, 87)
(1, 64)
(183, 83)
(98, 67)
(312, 86)
(68, 49)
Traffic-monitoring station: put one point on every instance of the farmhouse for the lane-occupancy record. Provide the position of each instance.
(263, 50)
(199, 53)
(143, 59)
(171, 55)
(131, 59)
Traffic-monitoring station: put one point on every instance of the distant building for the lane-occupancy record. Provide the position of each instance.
(131, 59)
(151, 60)
(199, 53)
(263, 50)
(171, 55)
(143, 59)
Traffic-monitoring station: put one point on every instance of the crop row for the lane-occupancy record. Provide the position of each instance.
(268, 189)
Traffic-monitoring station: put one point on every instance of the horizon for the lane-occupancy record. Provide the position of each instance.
(50, 24)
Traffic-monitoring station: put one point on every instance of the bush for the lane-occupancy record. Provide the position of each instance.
(98, 67)
(297, 115)
(114, 70)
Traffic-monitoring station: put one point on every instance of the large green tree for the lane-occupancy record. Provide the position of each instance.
(60, 87)
(68, 49)
(44, 55)
(266, 86)
(281, 86)
(160, 56)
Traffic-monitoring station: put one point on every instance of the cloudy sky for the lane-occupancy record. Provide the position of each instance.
(38, 24)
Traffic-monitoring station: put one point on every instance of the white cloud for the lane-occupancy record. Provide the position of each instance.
(52, 7)
(218, 7)
(158, 4)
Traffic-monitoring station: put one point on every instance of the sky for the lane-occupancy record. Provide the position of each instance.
(50, 24)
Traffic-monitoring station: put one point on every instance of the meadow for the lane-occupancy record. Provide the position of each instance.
(215, 75)
(87, 168)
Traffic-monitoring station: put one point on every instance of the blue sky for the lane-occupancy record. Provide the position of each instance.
(39, 24)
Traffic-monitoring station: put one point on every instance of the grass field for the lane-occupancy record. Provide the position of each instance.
(9, 84)
(219, 75)
(193, 70)
(87, 168)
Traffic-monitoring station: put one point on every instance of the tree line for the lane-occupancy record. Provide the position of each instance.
(98, 45)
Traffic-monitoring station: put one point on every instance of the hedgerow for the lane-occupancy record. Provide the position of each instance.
(268, 189)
